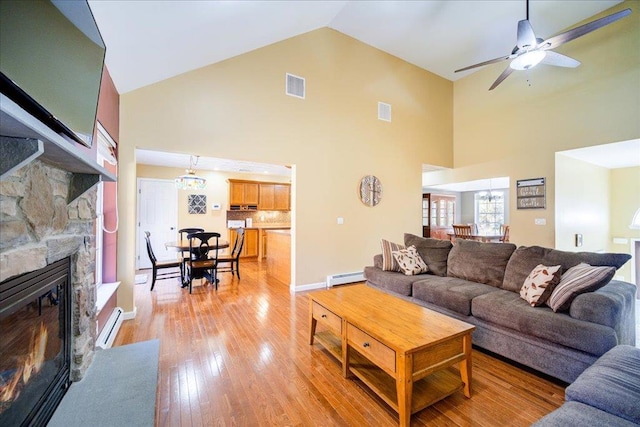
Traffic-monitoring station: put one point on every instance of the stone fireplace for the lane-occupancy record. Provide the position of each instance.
(40, 227)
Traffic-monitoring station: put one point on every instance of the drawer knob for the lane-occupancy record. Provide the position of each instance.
(366, 345)
(324, 316)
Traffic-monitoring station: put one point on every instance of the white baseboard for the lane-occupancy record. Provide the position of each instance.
(309, 287)
(128, 315)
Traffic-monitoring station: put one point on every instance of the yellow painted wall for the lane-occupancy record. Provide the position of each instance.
(625, 198)
(237, 109)
(582, 205)
(516, 129)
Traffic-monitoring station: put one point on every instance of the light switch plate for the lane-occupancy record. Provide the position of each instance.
(340, 220)
(540, 221)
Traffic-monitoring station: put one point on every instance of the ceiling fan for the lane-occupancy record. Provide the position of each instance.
(531, 51)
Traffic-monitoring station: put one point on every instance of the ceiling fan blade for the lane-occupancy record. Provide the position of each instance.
(506, 73)
(559, 60)
(580, 31)
(481, 64)
(526, 36)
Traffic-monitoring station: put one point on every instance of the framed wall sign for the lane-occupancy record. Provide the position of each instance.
(531, 193)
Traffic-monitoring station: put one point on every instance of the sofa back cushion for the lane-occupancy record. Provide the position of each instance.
(480, 262)
(526, 258)
(434, 252)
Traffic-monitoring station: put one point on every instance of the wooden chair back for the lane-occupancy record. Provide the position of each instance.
(203, 257)
(462, 231)
(155, 265)
(504, 230)
(233, 259)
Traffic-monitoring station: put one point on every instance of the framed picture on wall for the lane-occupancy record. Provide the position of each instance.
(197, 204)
(531, 193)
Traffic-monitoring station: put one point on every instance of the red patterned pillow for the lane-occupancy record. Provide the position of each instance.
(539, 285)
(388, 261)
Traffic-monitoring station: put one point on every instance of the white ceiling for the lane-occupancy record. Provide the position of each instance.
(624, 154)
(152, 40)
(177, 160)
(616, 155)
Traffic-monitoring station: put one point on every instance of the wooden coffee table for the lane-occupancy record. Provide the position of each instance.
(401, 351)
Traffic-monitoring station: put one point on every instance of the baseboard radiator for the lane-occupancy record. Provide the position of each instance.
(342, 278)
(110, 330)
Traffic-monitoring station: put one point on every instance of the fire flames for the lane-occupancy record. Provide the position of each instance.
(33, 361)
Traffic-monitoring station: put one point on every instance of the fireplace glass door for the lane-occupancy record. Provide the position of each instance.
(34, 344)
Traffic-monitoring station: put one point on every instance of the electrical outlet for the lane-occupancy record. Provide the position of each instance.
(540, 221)
(340, 220)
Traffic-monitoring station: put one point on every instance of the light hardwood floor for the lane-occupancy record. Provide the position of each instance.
(240, 356)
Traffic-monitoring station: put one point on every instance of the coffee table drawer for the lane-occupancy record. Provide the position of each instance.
(371, 348)
(327, 317)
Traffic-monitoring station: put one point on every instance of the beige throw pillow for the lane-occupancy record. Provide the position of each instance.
(410, 261)
(388, 261)
(578, 280)
(540, 283)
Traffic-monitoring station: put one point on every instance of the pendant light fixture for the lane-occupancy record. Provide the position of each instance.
(191, 181)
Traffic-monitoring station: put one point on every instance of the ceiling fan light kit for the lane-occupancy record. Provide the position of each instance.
(531, 51)
(528, 60)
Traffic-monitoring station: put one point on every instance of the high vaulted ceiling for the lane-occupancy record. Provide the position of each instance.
(151, 40)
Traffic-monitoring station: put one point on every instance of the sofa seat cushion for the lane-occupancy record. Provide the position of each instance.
(525, 258)
(450, 293)
(611, 384)
(507, 309)
(434, 252)
(391, 280)
(579, 414)
(480, 262)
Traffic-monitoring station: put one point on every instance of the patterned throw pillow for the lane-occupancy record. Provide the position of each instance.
(388, 261)
(540, 283)
(578, 280)
(410, 261)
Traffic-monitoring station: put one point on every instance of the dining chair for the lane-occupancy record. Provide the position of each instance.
(160, 265)
(184, 232)
(462, 231)
(504, 230)
(233, 259)
(202, 262)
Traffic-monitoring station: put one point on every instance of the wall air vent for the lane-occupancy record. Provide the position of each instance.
(384, 111)
(295, 86)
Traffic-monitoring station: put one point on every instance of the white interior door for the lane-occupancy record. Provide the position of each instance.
(157, 214)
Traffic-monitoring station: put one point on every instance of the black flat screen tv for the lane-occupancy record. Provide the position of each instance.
(51, 62)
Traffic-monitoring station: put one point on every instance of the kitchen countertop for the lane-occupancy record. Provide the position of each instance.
(268, 226)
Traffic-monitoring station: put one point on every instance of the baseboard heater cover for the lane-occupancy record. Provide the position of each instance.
(110, 330)
(343, 278)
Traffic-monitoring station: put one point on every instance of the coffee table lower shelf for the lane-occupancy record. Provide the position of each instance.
(426, 391)
(331, 342)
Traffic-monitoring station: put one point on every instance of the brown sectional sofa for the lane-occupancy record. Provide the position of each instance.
(480, 283)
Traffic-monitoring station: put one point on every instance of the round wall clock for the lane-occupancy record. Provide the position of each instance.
(370, 190)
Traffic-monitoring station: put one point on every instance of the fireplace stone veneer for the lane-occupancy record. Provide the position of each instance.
(37, 228)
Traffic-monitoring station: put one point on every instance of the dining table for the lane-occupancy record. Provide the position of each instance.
(480, 237)
(184, 245)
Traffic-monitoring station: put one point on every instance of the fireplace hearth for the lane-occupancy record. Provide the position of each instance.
(35, 355)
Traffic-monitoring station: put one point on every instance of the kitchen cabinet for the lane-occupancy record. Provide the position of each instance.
(243, 194)
(282, 197)
(250, 248)
(274, 197)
